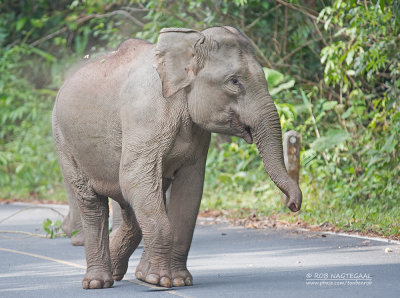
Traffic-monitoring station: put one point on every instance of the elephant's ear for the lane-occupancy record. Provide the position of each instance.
(176, 60)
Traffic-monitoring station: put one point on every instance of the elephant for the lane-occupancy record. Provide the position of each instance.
(132, 123)
(72, 224)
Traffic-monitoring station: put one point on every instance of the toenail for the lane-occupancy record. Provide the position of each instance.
(165, 282)
(108, 284)
(178, 282)
(152, 279)
(95, 284)
(85, 284)
(188, 281)
(118, 277)
(139, 275)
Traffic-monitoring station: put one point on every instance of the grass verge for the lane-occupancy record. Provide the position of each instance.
(316, 213)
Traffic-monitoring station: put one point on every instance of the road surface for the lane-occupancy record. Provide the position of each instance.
(225, 261)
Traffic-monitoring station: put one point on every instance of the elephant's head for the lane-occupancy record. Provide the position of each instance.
(226, 92)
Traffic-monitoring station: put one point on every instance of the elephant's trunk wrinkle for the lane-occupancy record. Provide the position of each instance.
(268, 137)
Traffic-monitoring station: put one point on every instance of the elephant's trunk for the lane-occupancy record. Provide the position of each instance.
(268, 137)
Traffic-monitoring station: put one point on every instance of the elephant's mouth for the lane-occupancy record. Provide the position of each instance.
(246, 134)
(242, 130)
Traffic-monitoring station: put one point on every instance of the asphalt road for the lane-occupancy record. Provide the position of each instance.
(225, 261)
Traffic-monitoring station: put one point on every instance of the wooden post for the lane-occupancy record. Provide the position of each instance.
(291, 155)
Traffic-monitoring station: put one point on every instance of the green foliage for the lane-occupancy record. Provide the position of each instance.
(53, 229)
(333, 69)
(33, 64)
(358, 151)
(275, 81)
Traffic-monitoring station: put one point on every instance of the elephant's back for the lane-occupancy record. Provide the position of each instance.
(100, 80)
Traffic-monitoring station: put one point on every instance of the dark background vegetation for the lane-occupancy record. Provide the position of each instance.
(333, 69)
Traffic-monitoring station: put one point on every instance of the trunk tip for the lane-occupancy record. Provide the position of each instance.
(293, 206)
(294, 203)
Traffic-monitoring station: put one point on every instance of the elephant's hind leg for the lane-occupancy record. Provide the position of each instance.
(94, 215)
(72, 224)
(124, 240)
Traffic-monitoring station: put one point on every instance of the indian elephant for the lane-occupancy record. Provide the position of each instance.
(137, 120)
(72, 224)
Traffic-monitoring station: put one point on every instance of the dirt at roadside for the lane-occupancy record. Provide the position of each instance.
(31, 201)
(254, 221)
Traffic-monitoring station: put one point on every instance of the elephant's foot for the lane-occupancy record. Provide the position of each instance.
(123, 243)
(119, 271)
(97, 280)
(181, 278)
(119, 267)
(78, 239)
(153, 275)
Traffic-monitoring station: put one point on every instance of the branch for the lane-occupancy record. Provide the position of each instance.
(260, 53)
(298, 9)
(121, 12)
(320, 33)
(285, 32)
(365, 4)
(87, 18)
(262, 16)
(47, 37)
(298, 49)
(132, 9)
(314, 17)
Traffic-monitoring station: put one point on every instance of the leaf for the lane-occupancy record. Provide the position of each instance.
(309, 155)
(225, 178)
(329, 105)
(305, 99)
(346, 114)
(389, 144)
(350, 72)
(373, 160)
(281, 87)
(46, 224)
(382, 4)
(273, 77)
(349, 57)
(396, 9)
(43, 54)
(265, 4)
(332, 139)
(20, 23)
(19, 168)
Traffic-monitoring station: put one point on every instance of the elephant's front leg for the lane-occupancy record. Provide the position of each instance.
(141, 184)
(186, 192)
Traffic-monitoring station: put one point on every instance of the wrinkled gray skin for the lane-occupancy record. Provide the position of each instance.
(131, 123)
(72, 224)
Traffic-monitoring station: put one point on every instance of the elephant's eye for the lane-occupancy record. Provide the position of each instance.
(235, 81)
(233, 86)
